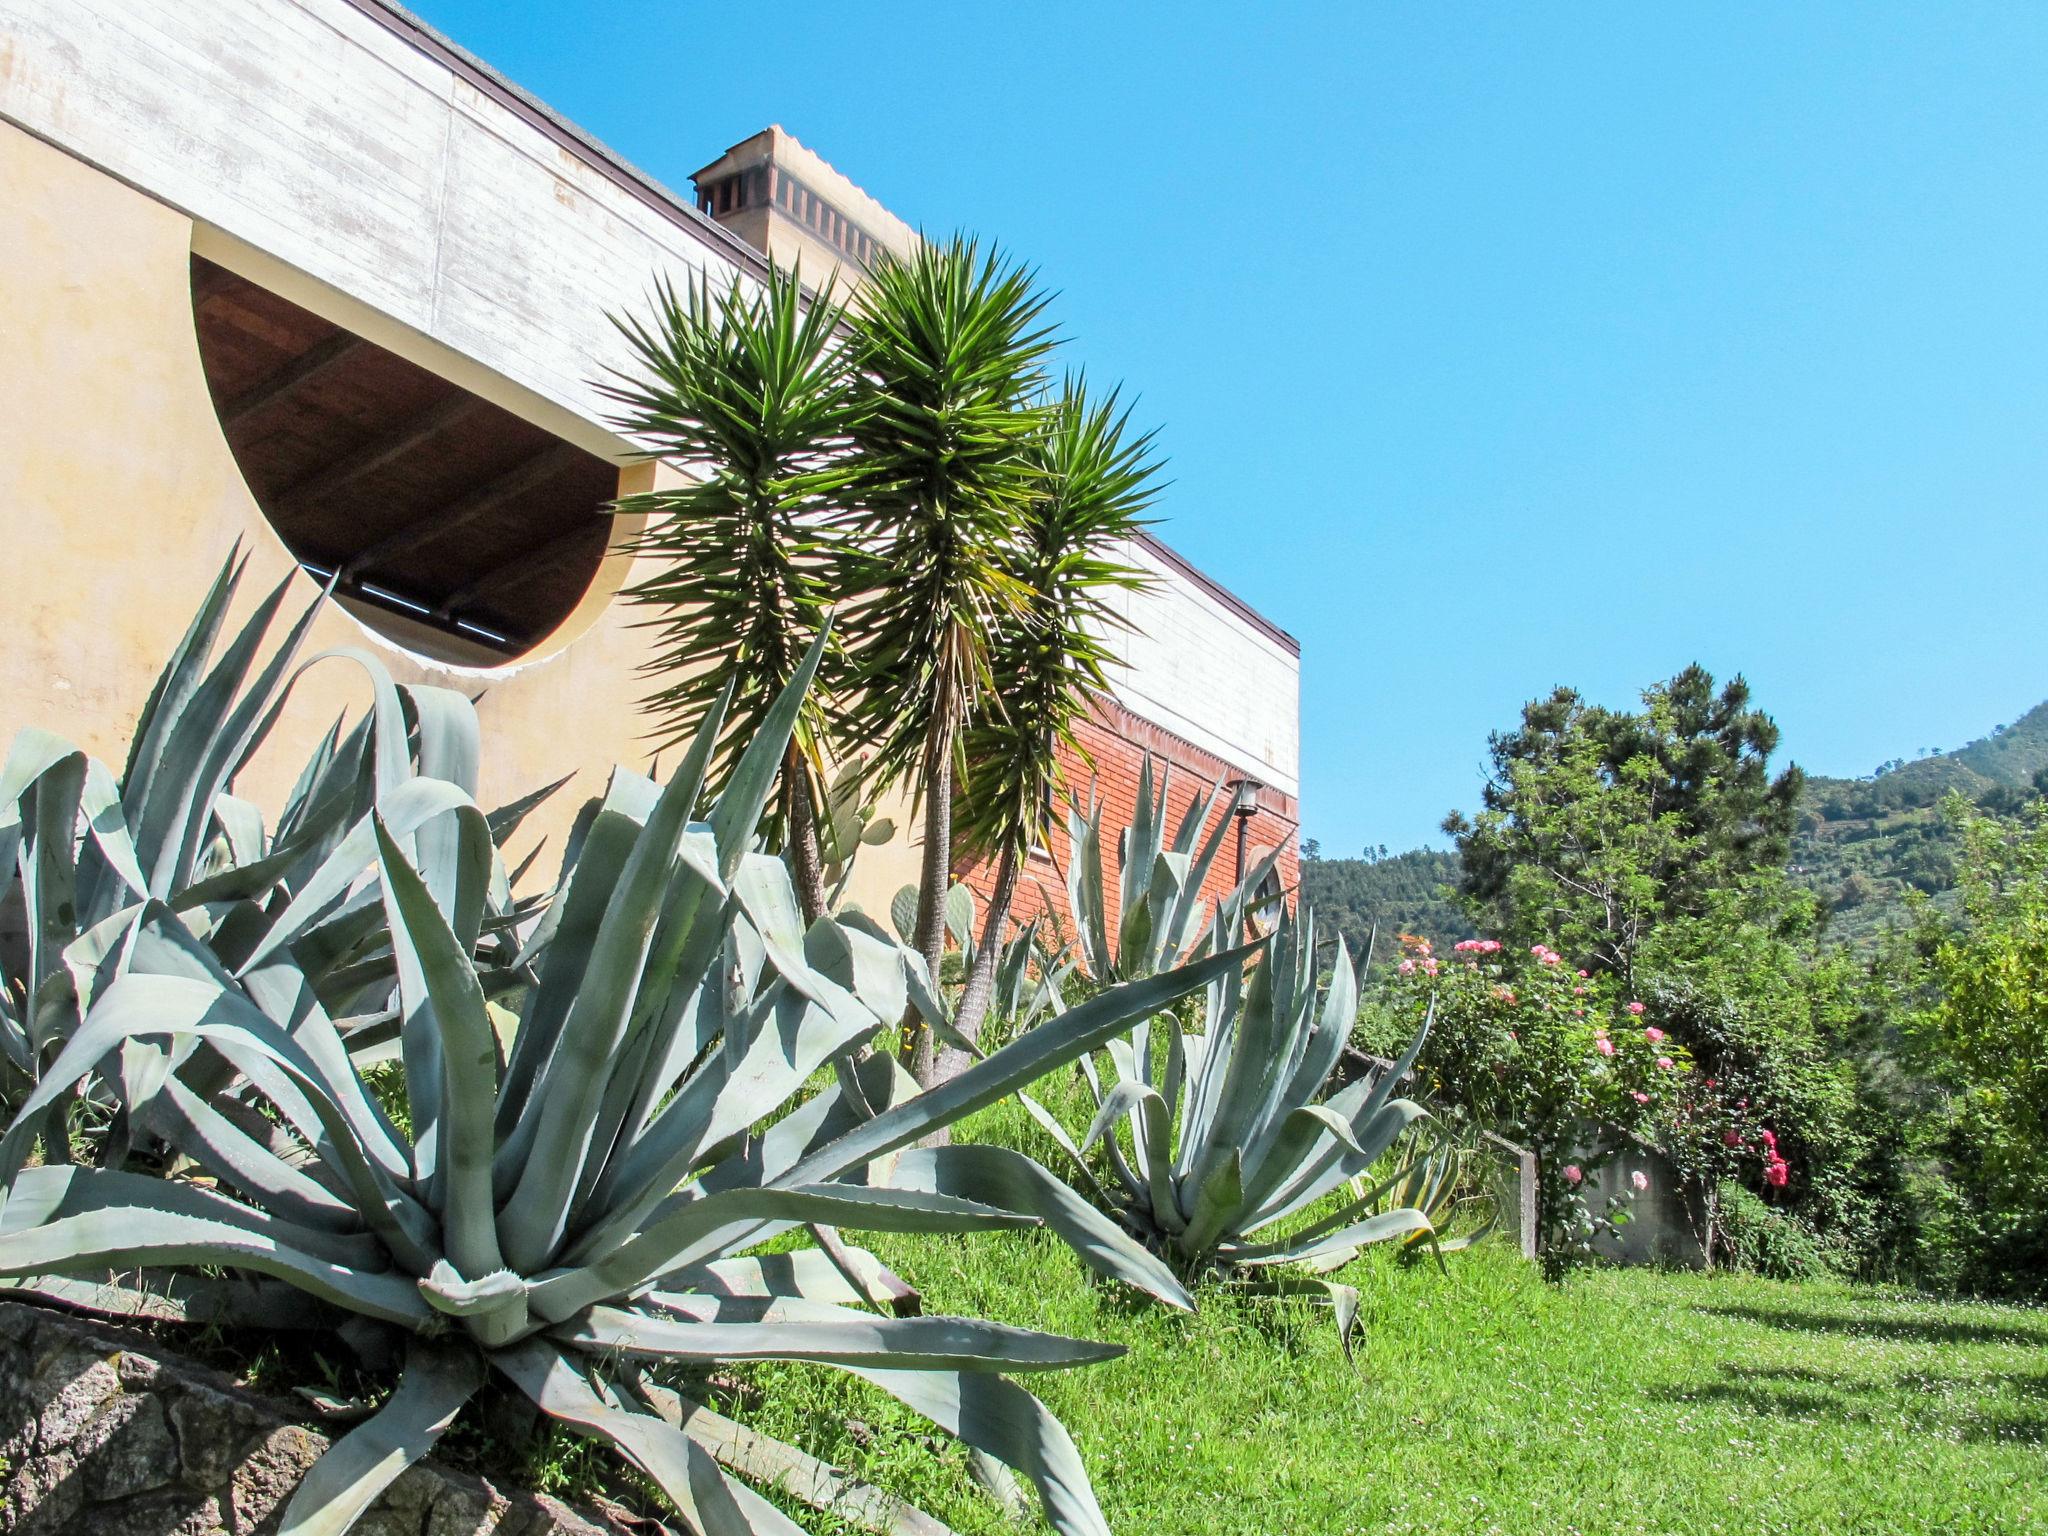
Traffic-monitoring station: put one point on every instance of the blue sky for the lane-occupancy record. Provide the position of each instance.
(1493, 348)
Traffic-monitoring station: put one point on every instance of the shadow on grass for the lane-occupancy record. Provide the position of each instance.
(1796, 1393)
(1862, 1325)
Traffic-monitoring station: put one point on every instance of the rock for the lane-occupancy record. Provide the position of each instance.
(104, 1434)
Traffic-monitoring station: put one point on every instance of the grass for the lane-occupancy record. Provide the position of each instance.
(1485, 1401)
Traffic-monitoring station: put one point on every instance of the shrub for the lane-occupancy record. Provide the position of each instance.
(1548, 1057)
(1761, 1241)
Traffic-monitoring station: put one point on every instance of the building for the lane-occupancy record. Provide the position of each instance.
(304, 274)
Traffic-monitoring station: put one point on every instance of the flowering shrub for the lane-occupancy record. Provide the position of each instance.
(1544, 1055)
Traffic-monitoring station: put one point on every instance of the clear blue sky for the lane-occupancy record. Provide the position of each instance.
(1493, 347)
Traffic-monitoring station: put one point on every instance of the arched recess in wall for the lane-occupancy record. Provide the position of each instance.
(453, 527)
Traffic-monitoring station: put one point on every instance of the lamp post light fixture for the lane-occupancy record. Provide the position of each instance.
(1244, 806)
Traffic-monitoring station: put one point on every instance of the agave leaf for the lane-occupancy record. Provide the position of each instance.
(145, 1236)
(436, 1381)
(175, 686)
(1010, 1181)
(1003, 1420)
(690, 1228)
(808, 1273)
(438, 982)
(781, 1328)
(675, 1463)
(1048, 1047)
(533, 1221)
(1346, 1240)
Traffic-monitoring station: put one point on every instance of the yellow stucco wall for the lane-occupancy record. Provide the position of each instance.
(119, 498)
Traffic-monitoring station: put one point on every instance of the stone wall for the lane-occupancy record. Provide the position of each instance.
(101, 1434)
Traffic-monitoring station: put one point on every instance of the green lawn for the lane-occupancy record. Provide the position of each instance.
(1488, 1401)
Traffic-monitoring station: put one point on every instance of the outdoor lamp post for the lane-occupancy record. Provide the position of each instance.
(1244, 807)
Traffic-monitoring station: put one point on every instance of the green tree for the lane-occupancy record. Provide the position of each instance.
(1984, 1038)
(948, 350)
(1599, 824)
(1091, 484)
(754, 392)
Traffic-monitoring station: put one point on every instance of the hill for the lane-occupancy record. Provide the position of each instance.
(1861, 845)
(1406, 893)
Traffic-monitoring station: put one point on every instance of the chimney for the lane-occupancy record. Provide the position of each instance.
(794, 208)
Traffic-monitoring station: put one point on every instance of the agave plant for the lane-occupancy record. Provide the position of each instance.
(1223, 1153)
(568, 1213)
(1154, 916)
(95, 853)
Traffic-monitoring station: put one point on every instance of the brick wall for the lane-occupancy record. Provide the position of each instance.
(1116, 742)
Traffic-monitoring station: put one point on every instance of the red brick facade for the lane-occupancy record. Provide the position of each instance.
(1117, 741)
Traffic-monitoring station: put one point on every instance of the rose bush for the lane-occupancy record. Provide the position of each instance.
(1542, 1054)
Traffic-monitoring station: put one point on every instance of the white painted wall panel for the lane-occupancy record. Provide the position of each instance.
(310, 134)
(1200, 669)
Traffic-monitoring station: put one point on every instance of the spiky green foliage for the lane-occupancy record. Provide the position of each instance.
(1224, 1153)
(1092, 484)
(172, 841)
(1153, 917)
(1048, 664)
(948, 349)
(749, 389)
(572, 1213)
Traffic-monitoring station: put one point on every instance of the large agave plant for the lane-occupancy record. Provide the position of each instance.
(94, 853)
(1153, 916)
(1226, 1152)
(575, 1211)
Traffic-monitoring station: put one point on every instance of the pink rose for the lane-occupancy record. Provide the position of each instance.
(1731, 1137)
(1582, 975)
(1429, 967)
(1406, 967)
(1604, 1046)
(1572, 1175)
(1640, 1180)
(1640, 1097)
(1653, 1034)
(1664, 1063)
(1635, 1007)
(1768, 1139)
(1778, 1172)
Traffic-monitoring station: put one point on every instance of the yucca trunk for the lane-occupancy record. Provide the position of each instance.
(935, 878)
(981, 979)
(800, 830)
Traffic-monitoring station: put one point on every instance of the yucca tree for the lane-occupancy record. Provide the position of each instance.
(562, 1214)
(93, 853)
(1092, 481)
(949, 349)
(750, 389)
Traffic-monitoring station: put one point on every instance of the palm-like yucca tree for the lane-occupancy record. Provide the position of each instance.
(1092, 484)
(948, 346)
(750, 389)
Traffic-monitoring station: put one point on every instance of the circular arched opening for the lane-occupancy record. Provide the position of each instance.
(447, 524)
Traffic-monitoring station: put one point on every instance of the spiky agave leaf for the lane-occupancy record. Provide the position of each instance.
(590, 1198)
(1224, 1147)
(93, 853)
